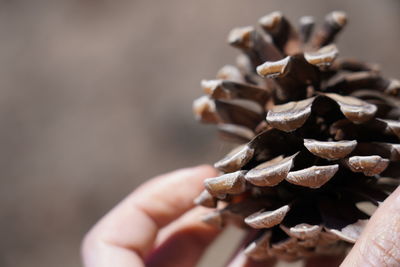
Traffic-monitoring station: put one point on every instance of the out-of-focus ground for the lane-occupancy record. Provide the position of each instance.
(95, 97)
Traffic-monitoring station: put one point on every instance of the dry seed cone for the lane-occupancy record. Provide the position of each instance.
(318, 136)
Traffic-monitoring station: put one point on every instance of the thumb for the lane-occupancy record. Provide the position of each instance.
(379, 244)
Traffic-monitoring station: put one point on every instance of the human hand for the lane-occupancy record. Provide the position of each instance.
(156, 226)
(147, 229)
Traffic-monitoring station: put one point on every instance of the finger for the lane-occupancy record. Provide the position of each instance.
(129, 230)
(379, 244)
(326, 261)
(191, 217)
(184, 241)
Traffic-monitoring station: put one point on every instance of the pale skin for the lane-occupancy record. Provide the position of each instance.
(158, 225)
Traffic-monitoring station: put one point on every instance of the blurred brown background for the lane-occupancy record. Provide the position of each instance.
(96, 97)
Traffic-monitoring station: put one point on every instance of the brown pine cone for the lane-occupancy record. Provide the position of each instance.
(318, 135)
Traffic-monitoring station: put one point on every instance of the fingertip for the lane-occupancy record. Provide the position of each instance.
(131, 227)
(205, 170)
(190, 222)
(196, 172)
(191, 175)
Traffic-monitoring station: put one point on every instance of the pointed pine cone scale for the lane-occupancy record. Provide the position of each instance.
(368, 165)
(312, 177)
(323, 57)
(259, 249)
(342, 218)
(353, 65)
(367, 193)
(375, 129)
(393, 87)
(284, 36)
(354, 109)
(386, 182)
(242, 38)
(327, 238)
(240, 112)
(385, 150)
(351, 232)
(306, 27)
(205, 199)
(393, 170)
(231, 213)
(392, 126)
(308, 243)
(205, 111)
(236, 159)
(235, 133)
(272, 143)
(230, 183)
(285, 244)
(236, 114)
(253, 45)
(272, 69)
(334, 23)
(214, 218)
(293, 74)
(301, 251)
(350, 82)
(291, 116)
(229, 217)
(302, 231)
(231, 73)
(263, 147)
(394, 151)
(267, 219)
(245, 66)
(236, 212)
(270, 173)
(343, 129)
(330, 150)
(222, 89)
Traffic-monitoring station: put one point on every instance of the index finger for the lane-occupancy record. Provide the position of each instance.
(132, 225)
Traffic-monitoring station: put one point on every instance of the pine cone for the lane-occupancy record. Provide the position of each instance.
(318, 135)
